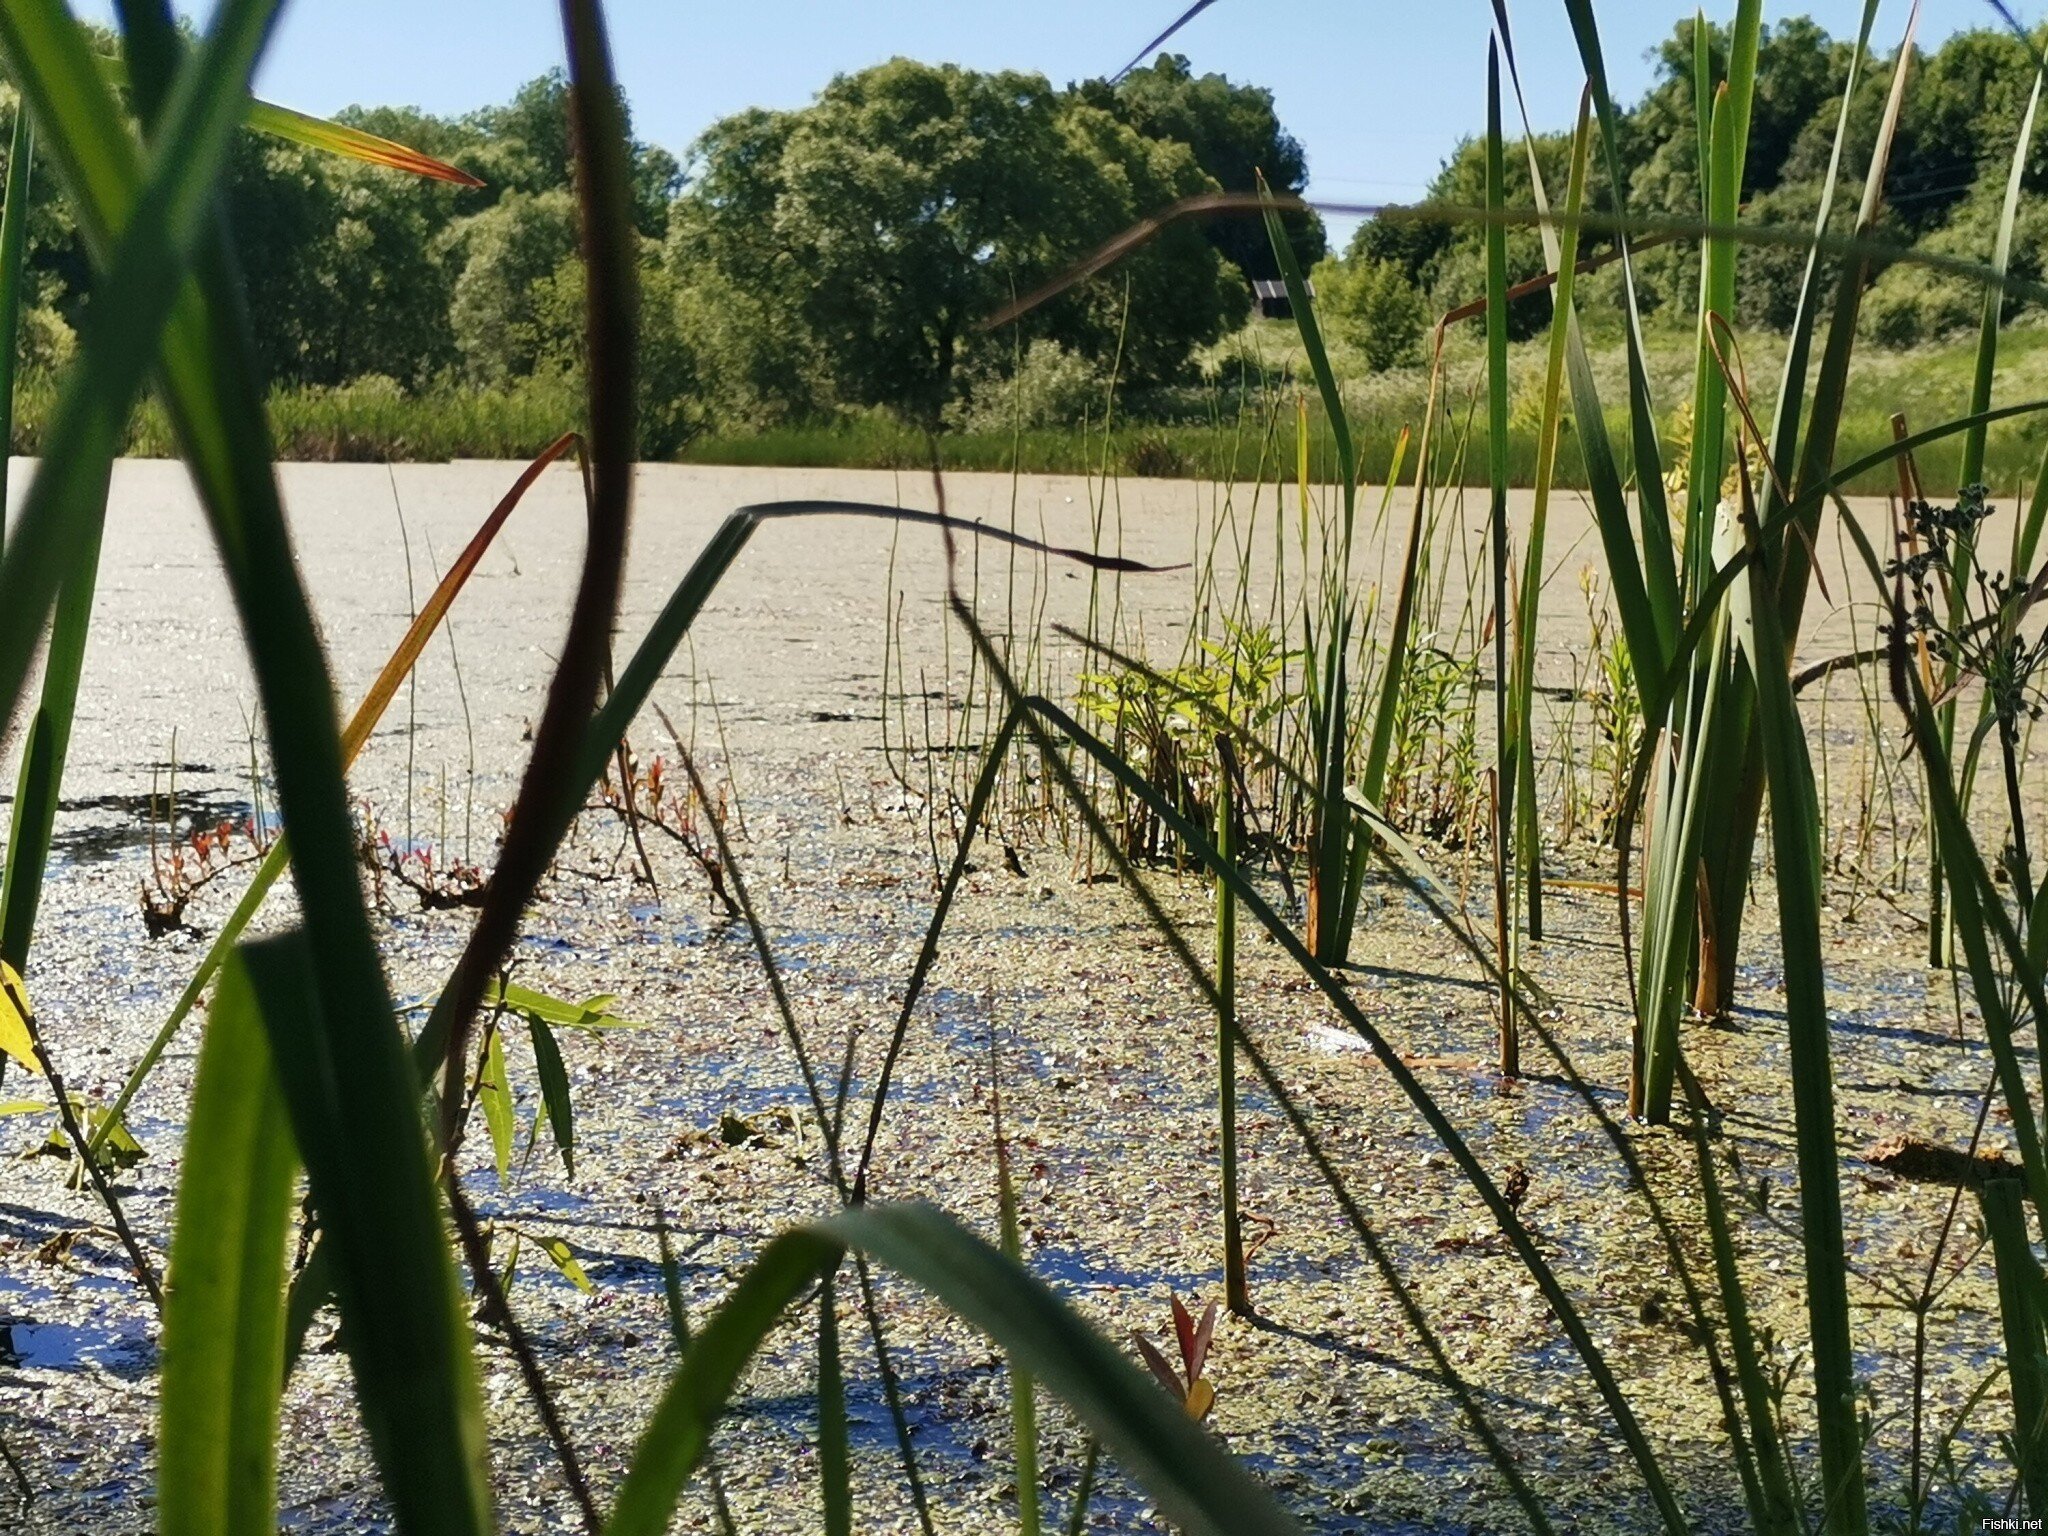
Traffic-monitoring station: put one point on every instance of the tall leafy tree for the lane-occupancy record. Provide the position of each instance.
(510, 251)
(1236, 137)
(910, 200)
(343, 274)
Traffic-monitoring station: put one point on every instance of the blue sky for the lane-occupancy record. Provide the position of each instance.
(1379, 90)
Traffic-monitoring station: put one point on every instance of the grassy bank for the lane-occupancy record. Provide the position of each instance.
(1219, 433)
(1242, 433)
(369, 421)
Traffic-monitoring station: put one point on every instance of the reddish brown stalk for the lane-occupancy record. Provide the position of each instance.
(608, 241)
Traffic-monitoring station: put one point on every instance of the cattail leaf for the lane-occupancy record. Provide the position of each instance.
(224, 1310)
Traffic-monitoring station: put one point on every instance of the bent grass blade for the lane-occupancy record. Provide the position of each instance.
(1195, 1482)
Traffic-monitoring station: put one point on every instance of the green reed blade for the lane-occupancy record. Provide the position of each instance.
(39, 783)
(1703, 101)
(1311, 333)
(1010, 1242)
(1795, 834)
(2021, 1293)
(1726, 151)
(46, 49)
(1670, 878)
(494, 1095)
(1387, 707)
(2026, 530)
(224, 1311)
(1195, 1483)
(404, 1323)
(1741, 776)
(1561, 253)
(1497, 448)
(1236, 1294)
(1507, 755)
(554, 1090)
(1765, 1459)
(13, 255)
(835, 1474)
(1791, 400)
(1831, 386)
(1986, 360)
(928, 950)
(1655, 573)
(1334, 868)
(1695, 777)
(677, 1437)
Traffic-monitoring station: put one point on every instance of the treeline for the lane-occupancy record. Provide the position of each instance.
(1952, 154)
(833, 265)
(800, 266)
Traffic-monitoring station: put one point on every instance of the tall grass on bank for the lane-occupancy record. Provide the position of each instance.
(374, 420)
(1234, 452)
(368, 420)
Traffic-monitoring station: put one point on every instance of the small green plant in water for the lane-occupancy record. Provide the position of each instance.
(1434, 789)
(1164, 721)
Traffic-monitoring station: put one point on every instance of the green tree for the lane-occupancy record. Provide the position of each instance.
(342, 272)
(1373, 305)
(884, 221)
(670, 378)
(1175, 293)
(739, 285)
(1800, 71)
(1236, 137)
(508, 252)
(1457, 273)
(1960, 119)
(525, 146)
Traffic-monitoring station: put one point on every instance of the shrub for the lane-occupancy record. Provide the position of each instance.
(1912, 305)
(1052, 386)
(46, 342)
(1372, 305)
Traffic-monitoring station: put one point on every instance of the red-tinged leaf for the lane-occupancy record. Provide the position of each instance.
(318, 133)
(336, 139)
(1184, 1335)
(1157, 1364)
(1204, 1336)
